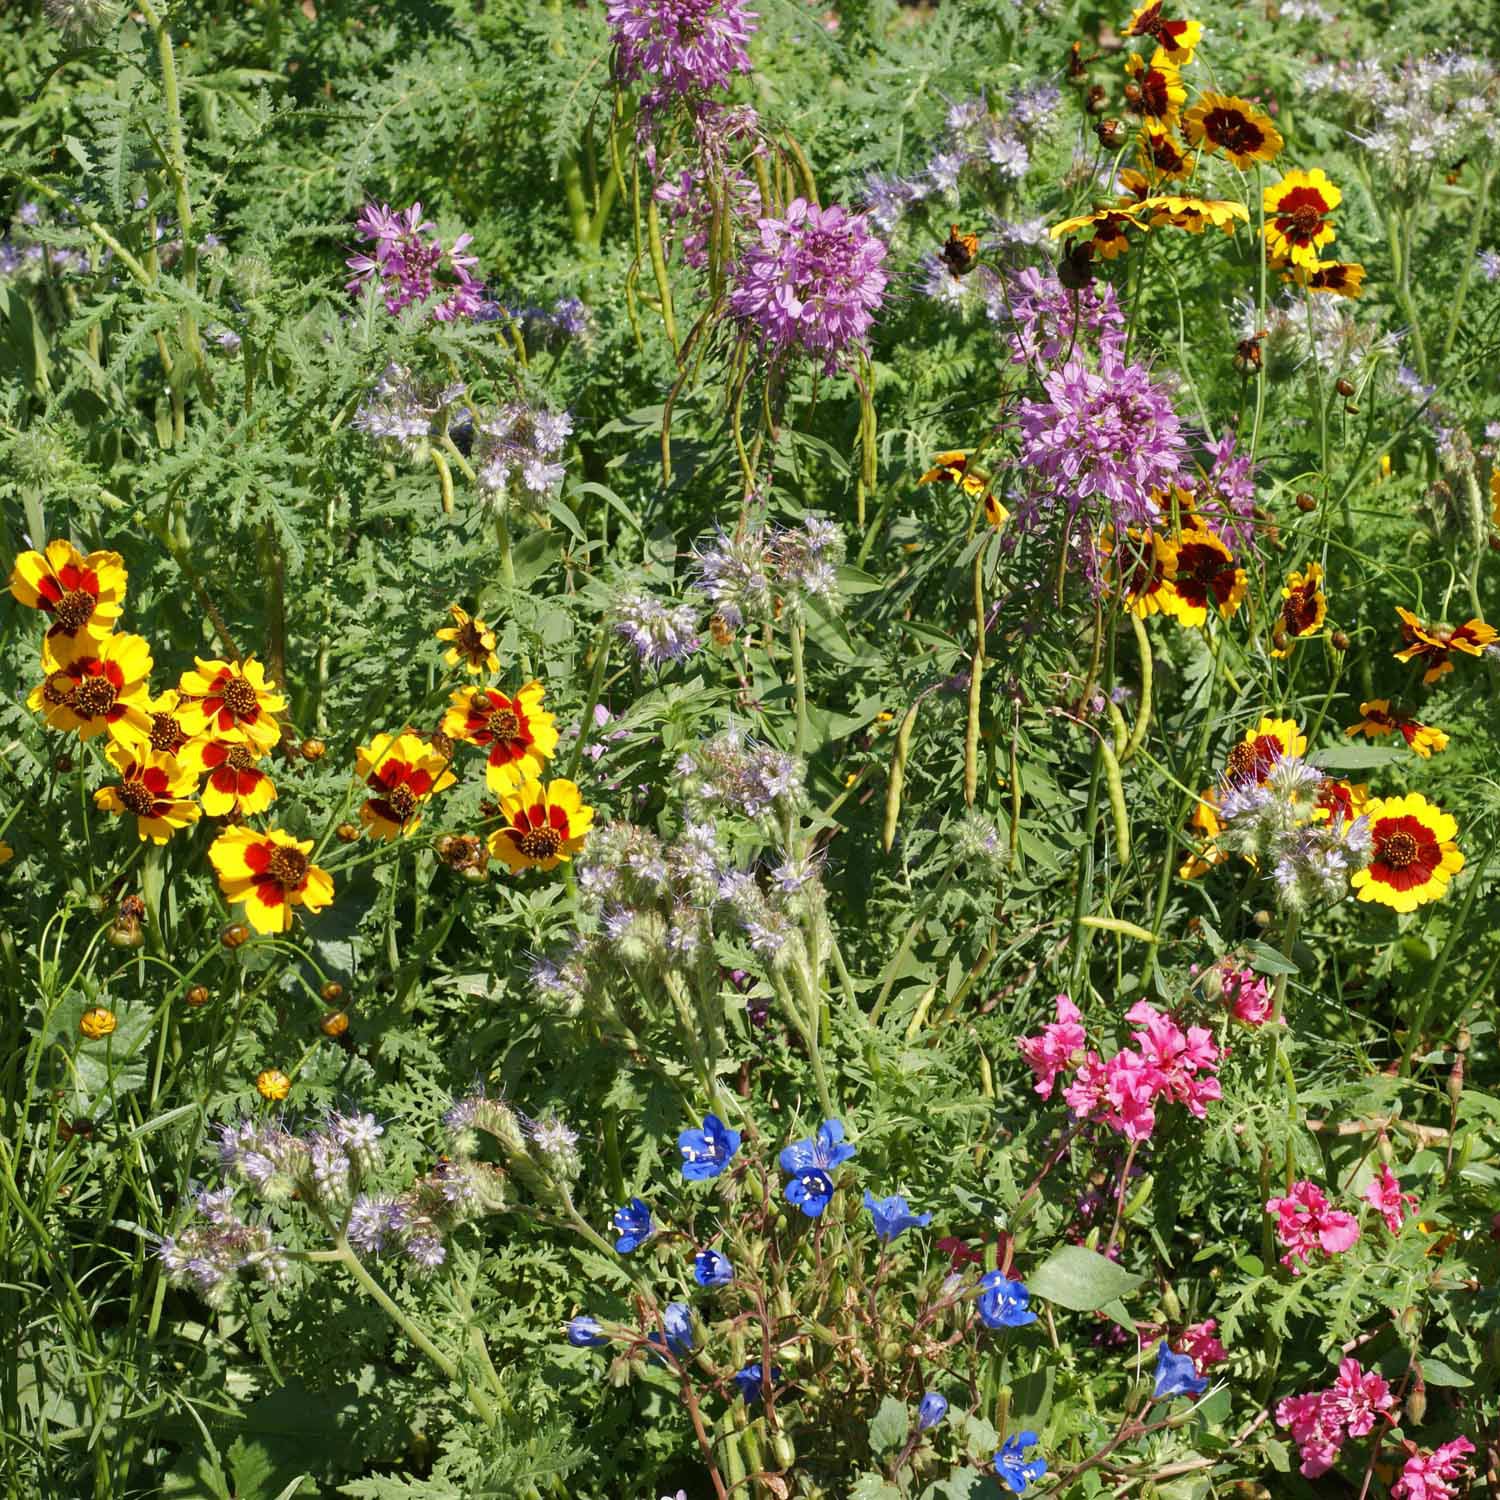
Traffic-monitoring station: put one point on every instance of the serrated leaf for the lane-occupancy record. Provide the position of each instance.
(889, 1425)
(1081, 1279)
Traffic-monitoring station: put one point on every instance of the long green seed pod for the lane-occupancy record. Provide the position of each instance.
(1116, 801)
(898, 777)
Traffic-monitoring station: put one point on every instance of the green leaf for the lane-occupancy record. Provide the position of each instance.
(1437, 1372)
(1081, 1279)
(1264, 959)
(873, 1487)
(889, 1425)
(1355, 757)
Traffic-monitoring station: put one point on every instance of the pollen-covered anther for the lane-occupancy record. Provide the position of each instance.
(137, 798)
(74, 610)
(503, 724)
(403, 802)
(540, 843)
(93, 697)
(239, 697)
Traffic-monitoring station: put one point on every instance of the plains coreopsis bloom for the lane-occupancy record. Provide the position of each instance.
(1297, 210)
(1263, 745)
(544, 824)
(1220, 122)
(1413, 853)
(270, 873)
(1161, 156)
(1434, 645)
(811, 282)
(470, 641)
(402, 771)
(98, 687)
(1160, 88)
(167, 733)
(1377, 720)
(682, 45)
(81, 595)
(231, 701)
(1109, 227)
(1193, 214)
(1177, 39)
(152, 786)
(1343, 278)
(1205, 576)
(516, 731)
(1106, 438)
(1304, 607)
(1144, 565)
(234, 785)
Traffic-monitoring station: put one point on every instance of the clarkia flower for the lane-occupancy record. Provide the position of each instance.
(1384, 1195)
(1176, 1375)
(893, 1216)
(933, 1409)
(584, 1332)
(1015, 1473)
(1306, 1222)
(711, 1268)
(1003, 1303)
(810, 1190)
(706, 1152)
(634, 1225)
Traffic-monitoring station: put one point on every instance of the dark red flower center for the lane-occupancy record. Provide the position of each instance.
(539, 843)
(74, 610)
(503, 724)
(59, 688)
(402, 801)
(470, 642)
(166, 734)
(288, 867)
(94, 697)
(239, 697)
(1232, 131)
(239, 759)
(1300, 611)
(138, 798)
(1399, 851)
(1202, 568)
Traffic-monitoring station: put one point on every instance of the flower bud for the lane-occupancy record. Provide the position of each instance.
(1111, 134)
(313, 750)
(347, 833)
(273, 1085)
(1339, 641)
(1344, 387)
(125, 932)
(196, 996)
(1306, 502)
(62, 763)
(235, 935)
(97, 1023)
(332, 991)
(335, 1023)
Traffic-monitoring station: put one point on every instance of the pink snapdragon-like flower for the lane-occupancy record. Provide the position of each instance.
(1058, 1048)
(1322, 1421)
(1247, 995)
(1305, 1222)
(812, 282)
(1433, 1475)
(1384, 1195)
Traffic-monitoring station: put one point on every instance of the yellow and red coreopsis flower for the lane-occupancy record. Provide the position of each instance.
(231, 701)
(153, 786)
(1304, 607)
(1161, 157)
(544, 824)
(1341, 803)
(167, 731)
(98, 687)
(1146, 563)
(269, 873)
(952, 467)
(403, 771)
(1262, 747)
(1435, 644)
(1377, 721)
(471, 642)
(517, 731)
(1176, 39)
(1343, 278)
(1221, 122)
(83, 595)
(1193, 214)
(1205, 574)
(1109, 226)
(1205, 823)
(1413, 853)
(1297, 210)
(1157, 90)
(235, 787)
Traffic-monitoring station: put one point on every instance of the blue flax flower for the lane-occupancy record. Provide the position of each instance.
(893, 1216)
(633, 1223)
(933, 1409)
(810, 1191)
(706, 1152)
(824, 1151)
(1003, 1303)
(751, 1380)
(1014, 1474)
(710, 1268)
(1176, 1375)
(584, 1332)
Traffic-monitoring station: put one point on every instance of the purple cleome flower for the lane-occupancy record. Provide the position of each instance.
(1107, 436)
(682, 46)
(813, 282)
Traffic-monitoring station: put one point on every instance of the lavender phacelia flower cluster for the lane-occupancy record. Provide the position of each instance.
(658, 632)
(743, 574)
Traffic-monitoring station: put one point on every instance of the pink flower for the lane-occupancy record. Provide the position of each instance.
(1306, 1222)
(1432, 1477)
(1322, 1421)
(1131, 1084)
(1055, 1050)
(1247, 995)
(1384, 1195)
(1178, 1057)
(1087, 1088)
(1199, 1340)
